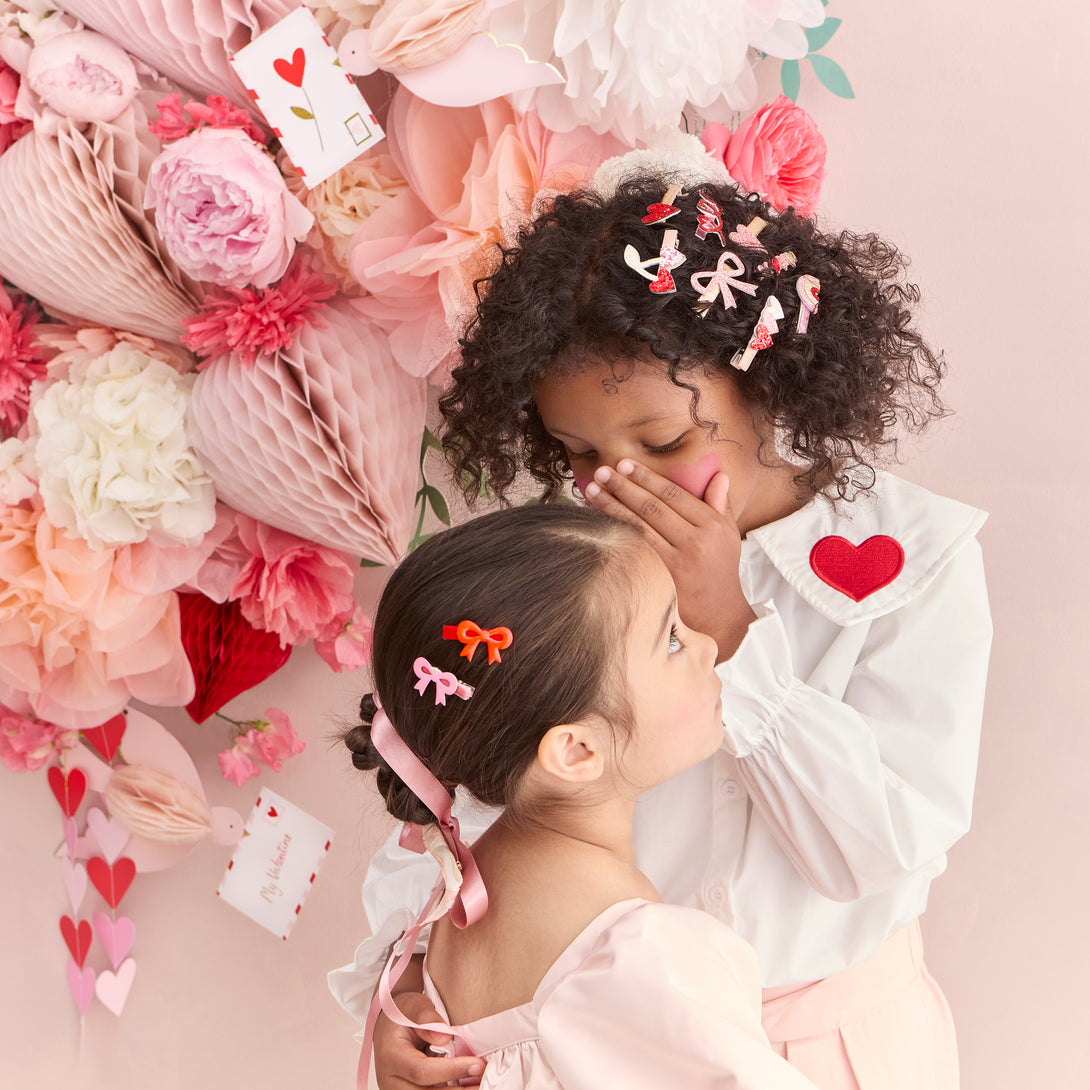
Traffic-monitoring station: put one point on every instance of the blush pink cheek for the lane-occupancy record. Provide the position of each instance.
(581, 483)
(695, 478)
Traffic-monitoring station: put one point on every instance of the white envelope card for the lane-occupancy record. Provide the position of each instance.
(311, 102)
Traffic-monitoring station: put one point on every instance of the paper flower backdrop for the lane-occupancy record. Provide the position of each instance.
(215, 363)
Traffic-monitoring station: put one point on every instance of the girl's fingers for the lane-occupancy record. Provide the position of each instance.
(433, 1071)
(655, 502)
(624, 511)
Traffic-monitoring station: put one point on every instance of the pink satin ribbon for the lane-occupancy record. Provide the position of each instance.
(469, 905)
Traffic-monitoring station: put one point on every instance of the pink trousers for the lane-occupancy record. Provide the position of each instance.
(882, 1025)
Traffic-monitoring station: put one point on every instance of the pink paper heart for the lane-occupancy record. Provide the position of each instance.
(112, 989)
(81, 983)
(110, 835)
(70, 836)
(75, 881)
(116, 936)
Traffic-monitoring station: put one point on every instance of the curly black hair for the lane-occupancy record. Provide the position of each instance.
(563, 294)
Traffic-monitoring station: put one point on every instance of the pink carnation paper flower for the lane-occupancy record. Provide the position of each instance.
(27, 743)
(290, 586)
(777, 152)
(252, 321)
(217, 112)
(20, 360)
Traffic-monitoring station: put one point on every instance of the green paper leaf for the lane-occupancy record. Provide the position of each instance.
(365, 563)
(790, 79)
(431, 441)
(438, 503)
(418, 541)
(818, 36)
(832, 75)
(300, 112)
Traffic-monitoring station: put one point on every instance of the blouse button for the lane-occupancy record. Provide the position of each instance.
(716, 894)
(730, 788)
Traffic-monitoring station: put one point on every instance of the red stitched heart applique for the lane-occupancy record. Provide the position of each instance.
(857, 570)
(111, 881)
(106, 737)
(78, 939)
(292, 71)
(68, 789)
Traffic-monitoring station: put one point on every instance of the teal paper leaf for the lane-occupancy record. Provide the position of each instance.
(818, 36)
(790, 79)
(832, 75)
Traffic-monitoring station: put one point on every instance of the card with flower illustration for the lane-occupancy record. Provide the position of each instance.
(275, 863)
(311, 102)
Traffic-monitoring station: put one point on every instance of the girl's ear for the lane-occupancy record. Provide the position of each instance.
(574, 752)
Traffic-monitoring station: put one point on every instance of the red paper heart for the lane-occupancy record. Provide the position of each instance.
(68, 790)
(857, 570)
(111, 881)
(227, 653)
(658, 212)
(292, 71)
(77, 938)
(107, 737)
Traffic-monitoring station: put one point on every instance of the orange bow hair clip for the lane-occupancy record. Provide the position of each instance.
(472, 634)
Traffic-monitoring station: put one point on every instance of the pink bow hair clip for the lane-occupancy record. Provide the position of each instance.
(719, 281)
(445, 684)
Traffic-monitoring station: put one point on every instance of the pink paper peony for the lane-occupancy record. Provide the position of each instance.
(292, 587)
(77, 643)
(26, 743)
(345, 644)
(82, 75)
(777, 152)
(20, 360)
(222, 209)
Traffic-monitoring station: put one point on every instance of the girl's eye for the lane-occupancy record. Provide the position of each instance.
(575, 455)
(667, 448)
(675, 641)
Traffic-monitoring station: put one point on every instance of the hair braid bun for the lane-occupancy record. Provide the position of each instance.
(400, 800)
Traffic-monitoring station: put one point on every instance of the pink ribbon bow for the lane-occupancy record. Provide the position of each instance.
(445, 684)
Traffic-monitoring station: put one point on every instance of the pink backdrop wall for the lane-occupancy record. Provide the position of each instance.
(962, 145)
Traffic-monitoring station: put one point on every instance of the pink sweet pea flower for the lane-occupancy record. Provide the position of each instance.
(236, 766)
(27, 743)
(346, 643)
(270, 741)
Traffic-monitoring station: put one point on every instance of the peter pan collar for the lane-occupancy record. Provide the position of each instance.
(861, 560)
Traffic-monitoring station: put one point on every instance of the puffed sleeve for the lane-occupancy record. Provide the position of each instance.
(863, 785)
(669, 997)
(395, 889)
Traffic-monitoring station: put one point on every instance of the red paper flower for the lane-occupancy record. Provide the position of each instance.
(20, 360)
(249, 321)
(217, 112)
(777, 152)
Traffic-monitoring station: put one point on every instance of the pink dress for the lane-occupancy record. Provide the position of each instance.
(647, 996)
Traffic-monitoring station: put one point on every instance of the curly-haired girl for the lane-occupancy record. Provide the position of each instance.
(726, 379)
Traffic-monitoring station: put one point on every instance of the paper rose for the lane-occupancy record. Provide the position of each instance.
(11, 126)
(78, 642)
(222, 209)
(83, 76)
(20, 360)
(17, 475)
(26, 743)
(289, 586)
(114, 461)
(777, 152)
(415, 33)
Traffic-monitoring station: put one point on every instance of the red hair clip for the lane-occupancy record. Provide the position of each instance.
(471, 635)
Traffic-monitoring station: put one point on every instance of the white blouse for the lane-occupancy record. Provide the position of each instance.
(851, 730)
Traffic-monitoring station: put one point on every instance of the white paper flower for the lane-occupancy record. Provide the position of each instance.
(632, 67)
(16, 472)
(114, 460)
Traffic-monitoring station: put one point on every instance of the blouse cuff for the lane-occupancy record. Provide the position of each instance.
(757, 680)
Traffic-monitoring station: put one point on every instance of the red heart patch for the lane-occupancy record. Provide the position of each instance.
(111, 881)
(67, 790)
(78, 939)
(107, 737)
(291, 71)
(857, 570)
(227, 653)
(658, 212)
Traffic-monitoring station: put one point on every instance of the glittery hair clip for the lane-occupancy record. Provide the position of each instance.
(657, 213)
(718, 282)
(767, 325)
(746, 236)
(709, 219)
(778, 264)
(669, 258)
(808, 287)
(472, 635)
(445, 684)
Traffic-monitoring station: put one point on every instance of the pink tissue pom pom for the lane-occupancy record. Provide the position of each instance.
(20, 360)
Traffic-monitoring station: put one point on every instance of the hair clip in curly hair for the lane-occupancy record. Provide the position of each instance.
(669, 258)
(746, 236)
(778, 264)
(718, 281)
(445, 684)
(767, 324)
(473, 635)
(709, 219)
(809, 288)
(657, 213)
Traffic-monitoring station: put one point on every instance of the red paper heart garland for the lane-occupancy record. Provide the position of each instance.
(857, 570)
(228, 655)
(106, 738)
(67, 789)
(112, 881)
(77, 938)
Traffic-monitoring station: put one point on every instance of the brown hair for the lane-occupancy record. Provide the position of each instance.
(836, 394)
(554, 575)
